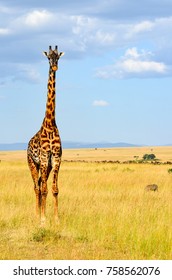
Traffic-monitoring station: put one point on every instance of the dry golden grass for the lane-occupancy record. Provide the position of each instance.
(121, 154)
(105, 212)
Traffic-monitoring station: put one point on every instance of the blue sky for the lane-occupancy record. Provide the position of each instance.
(114, 82)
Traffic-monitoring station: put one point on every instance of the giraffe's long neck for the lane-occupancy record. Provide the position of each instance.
(49, 120)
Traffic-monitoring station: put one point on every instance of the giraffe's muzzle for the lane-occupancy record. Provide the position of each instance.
(55, 68)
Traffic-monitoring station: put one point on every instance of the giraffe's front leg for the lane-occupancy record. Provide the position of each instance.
(55, 189)
(44, 192)
(34, 168)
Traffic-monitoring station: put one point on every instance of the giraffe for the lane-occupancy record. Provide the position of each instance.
(44, 148)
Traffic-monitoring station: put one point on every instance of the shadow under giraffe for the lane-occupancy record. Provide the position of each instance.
(44, 149)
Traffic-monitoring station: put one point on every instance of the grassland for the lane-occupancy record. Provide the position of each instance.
(104, 210)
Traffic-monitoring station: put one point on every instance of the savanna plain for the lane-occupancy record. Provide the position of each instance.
(104, 210)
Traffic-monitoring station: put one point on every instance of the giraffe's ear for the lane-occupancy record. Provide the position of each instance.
(61, 54)
(45, 53)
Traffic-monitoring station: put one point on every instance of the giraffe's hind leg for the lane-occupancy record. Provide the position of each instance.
(55, 189)
(34, 168)
(45, 172)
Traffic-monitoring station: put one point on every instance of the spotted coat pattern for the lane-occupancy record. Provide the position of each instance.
(44, 149)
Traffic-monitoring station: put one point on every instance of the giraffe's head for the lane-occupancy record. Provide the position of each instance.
(53, 57)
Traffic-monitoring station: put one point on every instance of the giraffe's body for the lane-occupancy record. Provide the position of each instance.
(44, 149)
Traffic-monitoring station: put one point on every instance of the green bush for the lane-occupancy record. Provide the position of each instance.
(170, 170)
(148, 157)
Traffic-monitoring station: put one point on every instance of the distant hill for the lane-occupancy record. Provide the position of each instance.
(13, 147)
(68, 145)
(80, 145)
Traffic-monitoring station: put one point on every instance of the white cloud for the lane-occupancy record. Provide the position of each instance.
(4, 31)
(31, 20)
(100, 103)
(92, 32)
(138, 28)
(138, 62)
(138, 66)
(134, 64)
(38, 18)
(88, 34)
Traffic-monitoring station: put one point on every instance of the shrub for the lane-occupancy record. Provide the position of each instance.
(170, 170)
(148, 157)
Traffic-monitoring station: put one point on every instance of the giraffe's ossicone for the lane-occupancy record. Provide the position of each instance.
(44, 149)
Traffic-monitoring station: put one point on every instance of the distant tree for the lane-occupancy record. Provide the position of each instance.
(148, 157)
